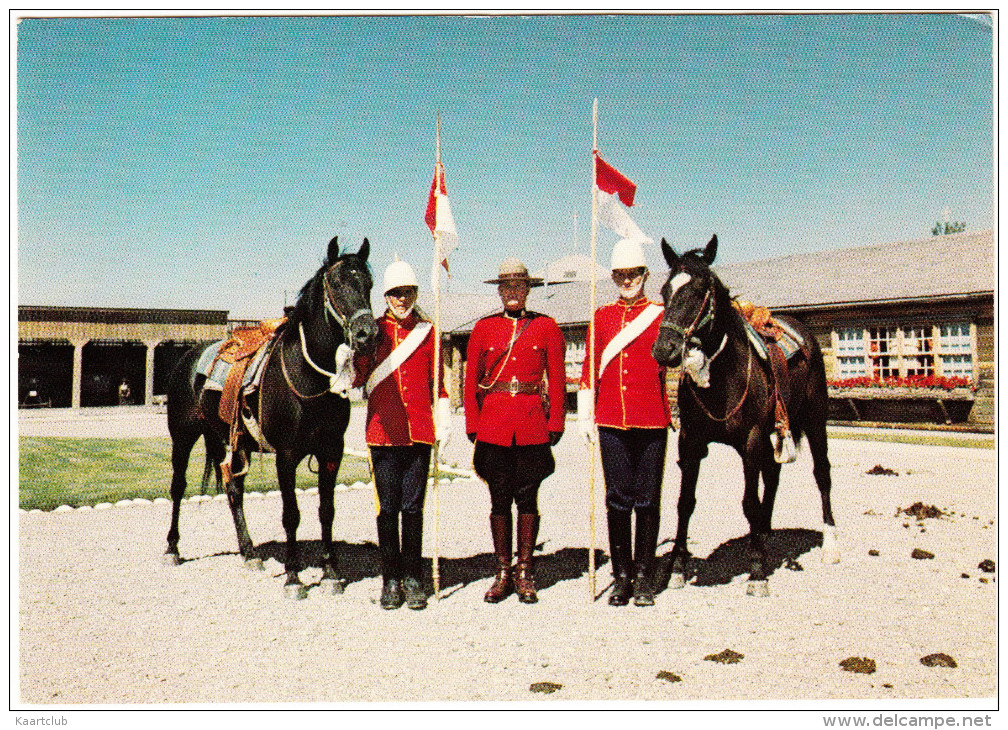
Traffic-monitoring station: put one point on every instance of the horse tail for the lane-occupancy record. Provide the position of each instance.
(811, 400)
(208, 467)
(215, 454)
(816, 396)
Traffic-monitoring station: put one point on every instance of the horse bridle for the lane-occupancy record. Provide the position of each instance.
(345, 324)
(705, 316)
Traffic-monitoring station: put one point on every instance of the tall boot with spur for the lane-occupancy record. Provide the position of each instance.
(645, 544)
(412, 560)
(524, 580)
(619, 551)
(500, 530)
(391, 563)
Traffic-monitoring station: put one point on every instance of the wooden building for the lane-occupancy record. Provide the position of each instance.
(82, 356)
(910, 312)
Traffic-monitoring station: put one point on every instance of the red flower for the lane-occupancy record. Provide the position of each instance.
(911, 381)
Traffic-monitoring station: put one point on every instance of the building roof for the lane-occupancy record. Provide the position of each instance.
(575, 267)
(956, 265)
(940, 266)
(120, 315)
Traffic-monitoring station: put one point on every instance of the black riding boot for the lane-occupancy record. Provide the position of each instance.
(645, 544)
(391, 563)
(412, 561)
(619, 551)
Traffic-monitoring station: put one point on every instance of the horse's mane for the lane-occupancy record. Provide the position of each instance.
(306, 298)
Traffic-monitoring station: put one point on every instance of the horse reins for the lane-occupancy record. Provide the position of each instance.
(704, 316)
(345, 324)
(734, 410)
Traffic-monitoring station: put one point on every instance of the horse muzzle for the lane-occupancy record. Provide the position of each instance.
(362, 332)
(666, 353)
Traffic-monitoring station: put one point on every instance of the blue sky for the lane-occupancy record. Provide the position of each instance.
(206, 162)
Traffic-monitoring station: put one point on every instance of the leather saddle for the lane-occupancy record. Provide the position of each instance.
(776, 342)
(234, 367)
(239, 351)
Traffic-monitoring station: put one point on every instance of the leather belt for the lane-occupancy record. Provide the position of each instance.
(514, 387)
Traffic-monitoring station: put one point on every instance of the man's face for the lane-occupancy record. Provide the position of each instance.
(513, 294)
(630, 282)
(400, 300)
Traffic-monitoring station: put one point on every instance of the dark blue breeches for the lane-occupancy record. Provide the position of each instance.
(633, 461)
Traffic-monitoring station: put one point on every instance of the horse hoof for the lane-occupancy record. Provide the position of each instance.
(295, 591)
(830, 545)
(758, 588)
(171, 559)
(677, 580)
(332, 586)
(254, 564)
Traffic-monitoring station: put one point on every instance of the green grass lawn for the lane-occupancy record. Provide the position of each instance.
(87, 471)
(926, 438)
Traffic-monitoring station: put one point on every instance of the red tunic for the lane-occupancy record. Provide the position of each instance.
(538, 350)
(631, 391)
(399, 409)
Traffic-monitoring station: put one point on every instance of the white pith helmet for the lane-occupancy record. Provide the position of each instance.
(627, 254)
(399, 273)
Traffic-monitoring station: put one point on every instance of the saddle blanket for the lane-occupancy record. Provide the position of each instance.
(787, 337)
(216, 369)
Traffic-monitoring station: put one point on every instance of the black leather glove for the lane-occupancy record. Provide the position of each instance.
(472, 437)
(555, 437)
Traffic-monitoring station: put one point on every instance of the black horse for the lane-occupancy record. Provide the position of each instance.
(734, 403)
(300, 408)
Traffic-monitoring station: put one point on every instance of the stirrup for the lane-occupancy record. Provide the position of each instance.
(225, 466)
(784, 450)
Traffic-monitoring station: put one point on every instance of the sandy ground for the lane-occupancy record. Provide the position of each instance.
(102, 620)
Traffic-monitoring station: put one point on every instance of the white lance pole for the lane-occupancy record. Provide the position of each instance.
(591, 358)
(435, 389)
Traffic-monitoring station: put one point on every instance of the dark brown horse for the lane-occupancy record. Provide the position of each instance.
(301, 407)
(728, 397)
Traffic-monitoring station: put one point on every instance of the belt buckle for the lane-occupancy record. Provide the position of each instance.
(513, 386)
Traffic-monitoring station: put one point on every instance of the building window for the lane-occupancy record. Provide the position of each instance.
(851, 353)
(573, 359)
(918, 351)
(883, 351)
(956, 344)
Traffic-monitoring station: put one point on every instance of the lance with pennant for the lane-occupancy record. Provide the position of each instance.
(591, 359)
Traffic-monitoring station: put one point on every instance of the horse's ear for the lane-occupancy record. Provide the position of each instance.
(710, 251)
(333, 253)
(670, 256)
(365, 249)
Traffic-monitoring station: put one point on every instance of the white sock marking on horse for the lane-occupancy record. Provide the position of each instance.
(830, 544)
(678, 282)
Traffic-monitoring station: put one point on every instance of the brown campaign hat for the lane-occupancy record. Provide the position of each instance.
(511, 269)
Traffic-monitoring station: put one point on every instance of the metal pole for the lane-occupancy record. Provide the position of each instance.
(591, 355)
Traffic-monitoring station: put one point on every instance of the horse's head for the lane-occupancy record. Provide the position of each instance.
(347, 286)
(689, 295)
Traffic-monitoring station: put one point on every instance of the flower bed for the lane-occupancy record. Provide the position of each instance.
(915, 382)
(918, 399)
